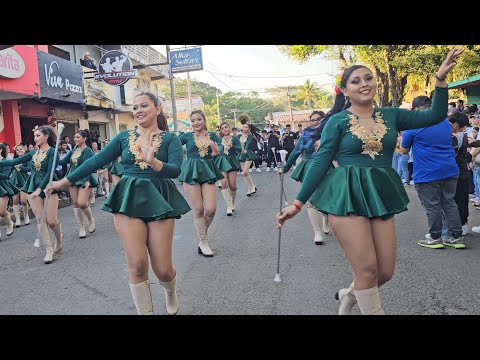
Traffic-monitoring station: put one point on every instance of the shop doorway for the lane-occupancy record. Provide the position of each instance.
(98, 130)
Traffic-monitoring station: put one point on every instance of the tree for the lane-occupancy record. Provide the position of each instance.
(307, 94)
(205, 91)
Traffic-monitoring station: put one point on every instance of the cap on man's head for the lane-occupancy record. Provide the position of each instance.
(420, 101)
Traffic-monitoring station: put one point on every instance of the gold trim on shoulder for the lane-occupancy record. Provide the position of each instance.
(134, 149)
(76, 154)
(37, 159)
(372, 143)
(227, 144)
(202, 143)
(243, 140)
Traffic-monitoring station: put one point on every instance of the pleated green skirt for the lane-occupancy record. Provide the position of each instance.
(361, 190)
(199, 171)
(227, 163)
(81, 183)
(147, 199)
(7, 189)
(301, 169)
(18, 178)
(117, 169)
(249, 156)
(33, 183)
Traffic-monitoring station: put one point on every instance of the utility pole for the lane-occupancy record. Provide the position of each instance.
(218, 107)
(234, 111)
(290, 104)
(172, 92)
(189, 91)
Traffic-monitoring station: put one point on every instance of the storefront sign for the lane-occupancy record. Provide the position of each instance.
(115, 68)
(186, 60)
(11, 64)
(60, 79)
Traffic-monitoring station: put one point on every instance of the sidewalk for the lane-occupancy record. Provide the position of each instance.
(61, 204)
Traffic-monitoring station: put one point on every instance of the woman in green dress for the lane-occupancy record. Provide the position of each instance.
(228, 164)
(316, 217)
(199, 175)
(7, 190)
(42, 165)
(80, 191)
(18, 177)
(247, 157)
(362, 195)
(145, 202)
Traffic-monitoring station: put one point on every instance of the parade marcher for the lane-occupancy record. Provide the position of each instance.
(145, 202)
(7, 190)
(362, 195)
(80, 190)
(199, 175)
(42, 165)
(228, 164)
(319, 221)
(247, 156)
(18, 178)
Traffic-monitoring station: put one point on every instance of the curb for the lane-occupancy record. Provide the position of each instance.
(61, 204)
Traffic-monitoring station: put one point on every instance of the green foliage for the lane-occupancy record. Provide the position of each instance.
(205, 91)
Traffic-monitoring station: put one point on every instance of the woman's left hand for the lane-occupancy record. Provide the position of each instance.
(36, 193)
(87, 185)
(215, 149)
(148, 151)
(448, 63)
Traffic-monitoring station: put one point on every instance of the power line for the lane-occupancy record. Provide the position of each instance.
(267, 77)
(218, 79)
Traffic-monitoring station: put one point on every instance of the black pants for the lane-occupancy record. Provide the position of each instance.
(461, 198)
(270, 158)
(410, 171)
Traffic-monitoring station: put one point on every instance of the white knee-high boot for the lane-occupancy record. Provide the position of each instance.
(228, 200)
(316, 220)
(142, 297)
(171, 298)
(10, 225)
(81, 226)
(57, 230)
(347, 300)
(16, 211)
(325, 224)
(47, 243)
(26, 216)
(91, 220)
(203, 247)
(369, 301)
(107, 188)
(233, 195)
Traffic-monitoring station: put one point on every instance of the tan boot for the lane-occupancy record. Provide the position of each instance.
(316, 220)
(47, 243)
(252, 189)
(91, 220)
(16, 211)
(247, 183)
(10, 225)
(233, 195)
(347, 300)
(57, 230)
(82, 234)
(369, 301)
(325, 224)
(171, 295)
(142, 297)
(92, 198)
(228, 201)
(203, 248)
(26, 216)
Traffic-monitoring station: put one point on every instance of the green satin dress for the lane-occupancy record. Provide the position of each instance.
(302, 167)
(250, 155)
(364, 183)
(199, 167)
(141, 192)
(75, 158)
(228, 159)
(19, 175)
(7, 189)
(42, 165)
(117, 167)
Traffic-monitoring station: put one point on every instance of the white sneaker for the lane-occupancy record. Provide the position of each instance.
(37, 243)
(476, 229)
(250, 170)
(259, 170)
(275, 169)
(268, 169)
(465, 230)
(294, 167)
(411, 182)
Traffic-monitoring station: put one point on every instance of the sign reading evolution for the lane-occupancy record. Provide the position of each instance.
(115, 68)
(60, 79)
(186, 60)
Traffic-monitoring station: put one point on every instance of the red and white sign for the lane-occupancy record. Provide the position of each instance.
(11, 64)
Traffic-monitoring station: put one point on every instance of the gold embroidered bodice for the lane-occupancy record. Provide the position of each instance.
(202, 143)
(37, 159)
(372, 142)
(227, 144)
(134, 148)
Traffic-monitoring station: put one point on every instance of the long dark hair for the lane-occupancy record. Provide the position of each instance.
(220, 128)
(161, 119)
(3, 150)
(200, 112)
(86, 134)
(48, 130)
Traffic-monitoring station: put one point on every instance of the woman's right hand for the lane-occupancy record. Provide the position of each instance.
(287, 213)
(55, 185)
(244, 151)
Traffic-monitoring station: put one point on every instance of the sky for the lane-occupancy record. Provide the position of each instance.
(234, 68)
